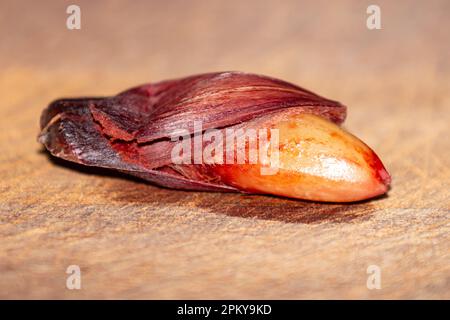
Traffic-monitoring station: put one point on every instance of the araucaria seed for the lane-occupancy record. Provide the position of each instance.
(226, 132)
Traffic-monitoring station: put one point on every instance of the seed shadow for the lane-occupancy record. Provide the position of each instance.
(267, 207)
(130, 189)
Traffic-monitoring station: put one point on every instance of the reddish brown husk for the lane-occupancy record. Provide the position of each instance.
(130, 132)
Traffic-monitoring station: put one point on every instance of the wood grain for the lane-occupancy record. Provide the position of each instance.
(135, 240)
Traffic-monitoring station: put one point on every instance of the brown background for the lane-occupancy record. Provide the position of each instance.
(134, 240)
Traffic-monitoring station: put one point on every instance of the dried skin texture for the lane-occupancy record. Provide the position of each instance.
(131, 133)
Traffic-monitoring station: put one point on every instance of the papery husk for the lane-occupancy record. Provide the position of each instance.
(130, 132)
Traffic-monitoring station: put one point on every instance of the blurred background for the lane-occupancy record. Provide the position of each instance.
(307, 42)
(395, 82)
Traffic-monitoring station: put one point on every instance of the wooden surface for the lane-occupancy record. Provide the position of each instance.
(134, 240)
